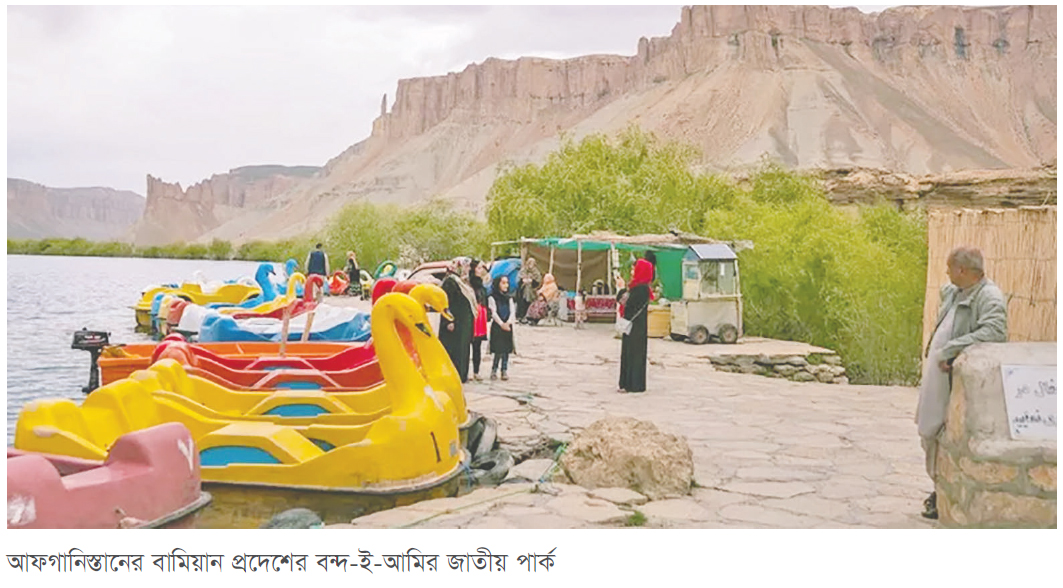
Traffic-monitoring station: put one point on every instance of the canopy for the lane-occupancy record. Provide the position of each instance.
(586, 258)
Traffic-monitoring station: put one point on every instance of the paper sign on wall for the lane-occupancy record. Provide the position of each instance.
(1030, 400)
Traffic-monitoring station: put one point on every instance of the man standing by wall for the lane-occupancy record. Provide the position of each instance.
(317, 262)
(972, 310)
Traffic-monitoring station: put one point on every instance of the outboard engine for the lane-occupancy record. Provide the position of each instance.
(93, 342)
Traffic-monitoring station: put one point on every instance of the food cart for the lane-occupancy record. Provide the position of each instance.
(711, 307)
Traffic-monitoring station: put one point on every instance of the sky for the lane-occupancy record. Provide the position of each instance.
(103, 96)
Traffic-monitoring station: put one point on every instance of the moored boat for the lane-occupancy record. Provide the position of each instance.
(149, 478)
(414, 447)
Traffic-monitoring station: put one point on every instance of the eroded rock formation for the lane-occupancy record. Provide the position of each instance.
(35, 211)
(913, 90)
(175, 214)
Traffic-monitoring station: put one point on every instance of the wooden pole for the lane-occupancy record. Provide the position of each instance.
(551, 270)
(284, 328)
(579, 264)
(318, 295)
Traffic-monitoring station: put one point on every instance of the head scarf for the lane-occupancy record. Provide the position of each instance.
(459, 267)
(642, 273)
(529, 270)
(549, 289)
(477, 282)
(501, 298)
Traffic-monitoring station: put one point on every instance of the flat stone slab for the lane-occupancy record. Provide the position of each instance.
(778, 474)
(619, 496)
(531, 469)
(676, 509)
(771, 489)
(752, 513)
(587, 509)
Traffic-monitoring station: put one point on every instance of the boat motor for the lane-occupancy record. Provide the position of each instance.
(93, 342)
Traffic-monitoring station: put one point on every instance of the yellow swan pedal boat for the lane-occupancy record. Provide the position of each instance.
(415, 446)
(193, 292)
(297, 279)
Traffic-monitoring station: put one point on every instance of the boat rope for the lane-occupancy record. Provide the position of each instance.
(553, 467)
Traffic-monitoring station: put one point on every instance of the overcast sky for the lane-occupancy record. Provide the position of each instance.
(101, 96)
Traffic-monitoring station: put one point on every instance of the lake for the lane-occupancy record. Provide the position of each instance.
(50, 297)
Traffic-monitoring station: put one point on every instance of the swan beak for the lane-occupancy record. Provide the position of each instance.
(446, 314)
(424, 329)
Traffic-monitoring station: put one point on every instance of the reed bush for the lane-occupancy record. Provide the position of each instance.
(851, 282)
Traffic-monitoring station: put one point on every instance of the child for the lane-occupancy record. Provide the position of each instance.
(503, 317)
(581, 308)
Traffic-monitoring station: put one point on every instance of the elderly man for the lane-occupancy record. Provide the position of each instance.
(973, 310)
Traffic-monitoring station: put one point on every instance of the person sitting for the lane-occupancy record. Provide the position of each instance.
(551, 296)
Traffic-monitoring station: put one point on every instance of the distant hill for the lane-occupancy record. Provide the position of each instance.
(35, 211)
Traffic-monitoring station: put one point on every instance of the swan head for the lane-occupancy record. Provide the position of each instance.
(433, 297)
(404, 310)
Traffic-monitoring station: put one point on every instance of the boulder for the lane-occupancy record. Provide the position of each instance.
(623, 452)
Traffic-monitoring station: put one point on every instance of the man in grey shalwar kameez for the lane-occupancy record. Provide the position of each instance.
(972, 310)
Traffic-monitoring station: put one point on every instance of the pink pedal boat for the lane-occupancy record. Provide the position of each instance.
(150, 479)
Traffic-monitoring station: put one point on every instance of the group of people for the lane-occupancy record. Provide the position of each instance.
(317, 264)
(477, 317)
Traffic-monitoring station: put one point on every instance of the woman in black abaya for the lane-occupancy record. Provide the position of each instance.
(456, 336)
(635, 301)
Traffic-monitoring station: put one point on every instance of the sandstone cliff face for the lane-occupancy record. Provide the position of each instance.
(916, 90)
(175, 214)
(98, 214)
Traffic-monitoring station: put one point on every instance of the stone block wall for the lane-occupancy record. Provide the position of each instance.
(826, 368)
(986, 478)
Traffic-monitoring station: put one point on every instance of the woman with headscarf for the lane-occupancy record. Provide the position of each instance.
(503, 313)
(529, 277)
(353, 275)
(456, 336)
(477, 272)
(635, 301)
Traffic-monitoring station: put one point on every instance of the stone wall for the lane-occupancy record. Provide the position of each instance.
(985, 478)
(799, 368)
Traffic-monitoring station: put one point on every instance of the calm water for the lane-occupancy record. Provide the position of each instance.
(50, 297)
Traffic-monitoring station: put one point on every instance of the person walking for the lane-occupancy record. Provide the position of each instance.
(317, 262)
(972, 310)
(456, 335)
(635, 300)
(503, 317)
(477, 272)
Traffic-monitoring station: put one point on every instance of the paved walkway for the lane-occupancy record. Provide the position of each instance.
(768, 453)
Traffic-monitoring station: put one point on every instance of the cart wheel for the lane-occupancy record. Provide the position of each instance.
(728, 334)
(677, 337)
(699, 335)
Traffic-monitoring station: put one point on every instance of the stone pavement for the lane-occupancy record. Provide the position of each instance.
(768, 452)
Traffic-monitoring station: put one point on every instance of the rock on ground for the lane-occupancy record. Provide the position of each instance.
(623, 452)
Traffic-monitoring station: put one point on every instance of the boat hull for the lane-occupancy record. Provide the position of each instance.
(122, 361)
(243, 506)
(150, 478)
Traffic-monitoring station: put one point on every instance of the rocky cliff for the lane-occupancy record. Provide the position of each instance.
(915, 90)
(175, 214)
(98, 214)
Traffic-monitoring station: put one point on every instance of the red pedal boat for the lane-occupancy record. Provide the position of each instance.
(149, 479)
(359, 369)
